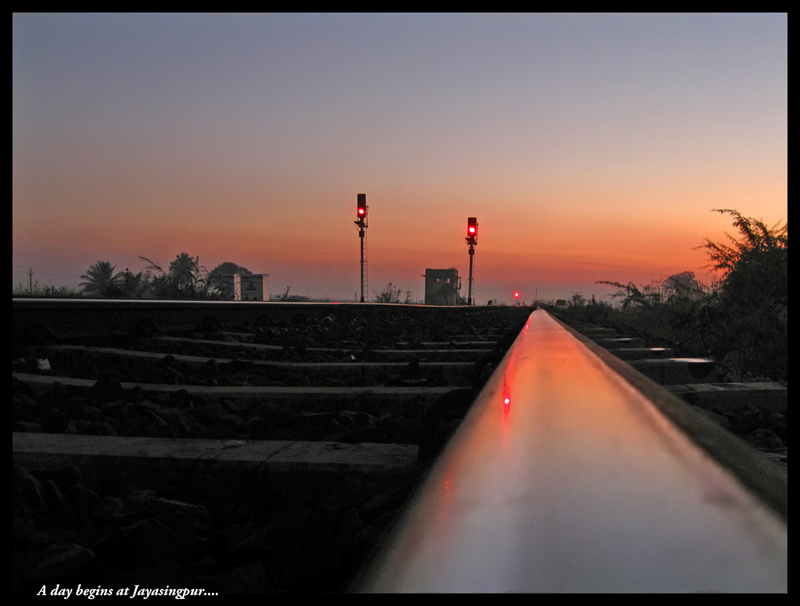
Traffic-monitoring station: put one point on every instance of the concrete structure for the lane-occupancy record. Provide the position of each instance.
(251, 287)
(247, 287)
(442, 287)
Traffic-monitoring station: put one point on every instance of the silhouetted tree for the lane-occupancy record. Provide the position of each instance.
(751, 315)
(632, 296)
(389, 294)
(220, 279)
(184, 280)
(756, 242)
(285, 296)
(682, 287)
(101, 281)
(742, 322)
(183, 267)
(134, 286)
(577, 300)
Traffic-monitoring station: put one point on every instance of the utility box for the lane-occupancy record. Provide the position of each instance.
(442, 287)
(251, 287)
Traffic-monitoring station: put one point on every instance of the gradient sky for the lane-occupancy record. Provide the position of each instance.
(589, 146)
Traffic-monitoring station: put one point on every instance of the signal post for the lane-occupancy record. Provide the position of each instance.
(361, 224)
(472, 241)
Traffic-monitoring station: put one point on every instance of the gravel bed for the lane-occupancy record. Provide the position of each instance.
(247, 532)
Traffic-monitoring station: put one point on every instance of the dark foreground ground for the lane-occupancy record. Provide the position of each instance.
(116, 527)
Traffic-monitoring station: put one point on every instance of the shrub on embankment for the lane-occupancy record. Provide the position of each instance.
(742, 321)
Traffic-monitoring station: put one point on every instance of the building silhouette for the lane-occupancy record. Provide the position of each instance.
(247, 287)
(442, 287)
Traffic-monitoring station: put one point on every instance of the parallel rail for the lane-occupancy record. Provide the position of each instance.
(575, 473)
(285, 417)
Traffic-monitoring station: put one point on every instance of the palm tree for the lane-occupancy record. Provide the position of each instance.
(183, 269)
(100, 280)
(186, 278)
(134, 285)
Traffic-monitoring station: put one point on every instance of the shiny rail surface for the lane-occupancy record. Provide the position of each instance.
(573, 474)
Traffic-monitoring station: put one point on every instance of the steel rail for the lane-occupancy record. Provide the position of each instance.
(572, 472)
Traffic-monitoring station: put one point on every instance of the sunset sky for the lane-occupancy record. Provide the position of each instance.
(589, 146)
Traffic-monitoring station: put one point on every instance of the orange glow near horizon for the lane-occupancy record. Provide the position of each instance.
(578, 166)
(574, 255)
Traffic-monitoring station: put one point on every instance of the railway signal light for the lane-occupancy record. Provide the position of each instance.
(472, 230)
(472, 240)
(361, 210)
(361, 224)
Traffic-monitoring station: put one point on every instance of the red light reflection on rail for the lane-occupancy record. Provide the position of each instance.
(505, 405)
(506, 399)
(508, 380)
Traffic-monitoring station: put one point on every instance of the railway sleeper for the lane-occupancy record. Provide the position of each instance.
(227, 516)
(391, 397)
(411, 373)
(282, 515)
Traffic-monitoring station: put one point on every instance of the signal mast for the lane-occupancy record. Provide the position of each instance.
(472, 241)
(361, 224)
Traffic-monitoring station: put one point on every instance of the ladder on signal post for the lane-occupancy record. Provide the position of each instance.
(364, 272)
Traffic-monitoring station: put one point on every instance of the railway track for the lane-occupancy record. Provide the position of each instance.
(573, 472)
(261, 447)
(756, 411)
(274, 443)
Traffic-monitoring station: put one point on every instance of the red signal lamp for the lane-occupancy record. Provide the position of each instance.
(362, 206)
(472, 230)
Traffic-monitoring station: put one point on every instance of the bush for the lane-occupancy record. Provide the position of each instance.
(742, 323)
